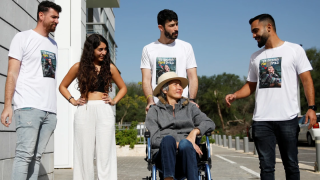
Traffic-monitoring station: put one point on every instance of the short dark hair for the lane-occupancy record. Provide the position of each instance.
(165, 15)
(264, 17)
(44, 6)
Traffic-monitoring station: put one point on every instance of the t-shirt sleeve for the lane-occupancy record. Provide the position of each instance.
(145, 60)
(16, 47)
(302, 62)
(252, 73)
(191, 60)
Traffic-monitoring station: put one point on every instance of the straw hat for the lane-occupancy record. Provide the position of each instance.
(166, 77)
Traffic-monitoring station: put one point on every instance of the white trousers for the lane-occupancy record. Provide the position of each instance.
(94, 127)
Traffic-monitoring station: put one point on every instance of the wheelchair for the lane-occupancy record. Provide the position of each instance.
(204, 161)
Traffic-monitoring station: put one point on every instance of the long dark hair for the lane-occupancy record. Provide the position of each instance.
(87, 76)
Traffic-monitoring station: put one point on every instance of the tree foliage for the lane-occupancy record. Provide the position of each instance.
(313, 55)
(211, 99)
(131, 106)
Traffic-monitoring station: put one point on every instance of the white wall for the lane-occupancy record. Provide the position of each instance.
(70, 36)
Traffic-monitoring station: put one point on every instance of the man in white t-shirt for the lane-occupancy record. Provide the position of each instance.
(168, 54)
(273, 76)
(31, 81)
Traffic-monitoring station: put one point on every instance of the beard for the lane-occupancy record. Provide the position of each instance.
(171, 36)
(263, 39)
(50, 27)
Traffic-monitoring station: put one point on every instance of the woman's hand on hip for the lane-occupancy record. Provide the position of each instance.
(108, 100)
(78, 102)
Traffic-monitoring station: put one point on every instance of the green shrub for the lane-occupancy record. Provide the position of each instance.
(140, 139)
(203, 139)
(127, 136)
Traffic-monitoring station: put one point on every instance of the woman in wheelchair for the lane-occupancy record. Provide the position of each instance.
(174, 123)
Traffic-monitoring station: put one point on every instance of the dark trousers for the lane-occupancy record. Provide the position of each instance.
(265, 135)
(176, 163)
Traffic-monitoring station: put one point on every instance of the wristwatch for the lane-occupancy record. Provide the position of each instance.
(314, 107)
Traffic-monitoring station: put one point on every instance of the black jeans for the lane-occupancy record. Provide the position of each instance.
(176, 164)
(265, 135)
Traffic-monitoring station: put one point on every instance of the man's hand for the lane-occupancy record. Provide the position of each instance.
(230, 98)
(307, 82)
(192, 138)
(195, 103)
(7, 112)
(148, 105)
(311, 114)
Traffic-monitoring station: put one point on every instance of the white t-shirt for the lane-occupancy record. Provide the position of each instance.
(161, 58)
(276, 73)
(36, 83)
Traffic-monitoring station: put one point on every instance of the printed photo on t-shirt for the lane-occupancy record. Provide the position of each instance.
(270, 73)
(48, 61)
(163, 65)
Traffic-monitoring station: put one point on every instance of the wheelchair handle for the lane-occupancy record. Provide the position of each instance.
(208, 133)
(147, 134)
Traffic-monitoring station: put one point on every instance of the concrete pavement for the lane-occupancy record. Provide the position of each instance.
(307, 154)
(227, 164)
(235, 163)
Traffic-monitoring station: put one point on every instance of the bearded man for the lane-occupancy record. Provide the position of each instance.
(33, 92)
(168, 50)
(276, 107)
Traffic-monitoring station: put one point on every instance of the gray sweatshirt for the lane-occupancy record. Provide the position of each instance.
(161, 122)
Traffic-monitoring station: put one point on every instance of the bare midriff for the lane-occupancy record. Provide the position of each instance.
(95, 95)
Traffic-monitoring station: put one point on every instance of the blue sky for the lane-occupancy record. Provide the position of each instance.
(218, 30)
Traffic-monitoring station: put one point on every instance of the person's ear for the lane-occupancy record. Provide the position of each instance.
(269, 27)
(164, 91)
(41, 16)
(161, 28)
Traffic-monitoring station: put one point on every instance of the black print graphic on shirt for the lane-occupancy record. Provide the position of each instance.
(48, 62)
(163, 65)
(270, 73)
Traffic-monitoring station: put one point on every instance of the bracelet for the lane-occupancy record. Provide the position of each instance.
(149, 96)
(114, 102)
(70, 98)
(192, 100)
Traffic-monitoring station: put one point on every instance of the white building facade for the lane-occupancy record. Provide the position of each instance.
(77, 21)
